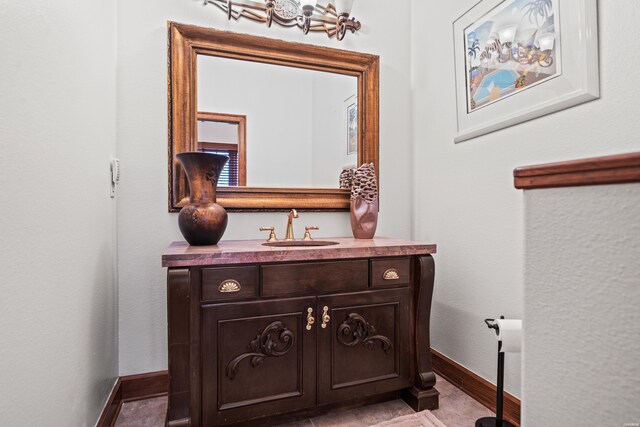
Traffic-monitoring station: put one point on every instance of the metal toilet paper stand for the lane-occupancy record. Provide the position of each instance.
(496, 421)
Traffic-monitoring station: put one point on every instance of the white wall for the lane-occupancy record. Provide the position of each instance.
(582, 323)
(296, 119)
(329, 135)
(144, 226)
(279, 116)
(58, 309)
(464, 195)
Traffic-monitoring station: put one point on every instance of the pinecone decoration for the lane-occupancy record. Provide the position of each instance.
(346, 179)
(365, 183)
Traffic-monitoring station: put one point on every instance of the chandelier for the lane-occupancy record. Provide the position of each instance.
(307, 15)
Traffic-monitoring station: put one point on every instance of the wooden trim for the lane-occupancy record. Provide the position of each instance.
(241, 147)
(475, 386)
(208, 116)
(112, 406)
(129, 388)
(218, 146)
(259, 199)
(142, 386)
(618, 169)
(187, 41)
(281, 199)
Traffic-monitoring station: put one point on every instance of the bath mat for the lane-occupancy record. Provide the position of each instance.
(421, 419)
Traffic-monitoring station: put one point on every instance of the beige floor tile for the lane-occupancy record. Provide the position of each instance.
(444, 387)
(459, 410)
(456, 410)
(365, 416)
(301, 423)
(143, 413)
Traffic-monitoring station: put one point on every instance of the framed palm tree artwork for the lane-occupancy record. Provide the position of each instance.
(516, 60)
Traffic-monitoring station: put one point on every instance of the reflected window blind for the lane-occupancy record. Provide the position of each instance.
(229, 175)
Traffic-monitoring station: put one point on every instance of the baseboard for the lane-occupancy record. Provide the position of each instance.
(143, 386)
(112, 407)
(475, 386)
(129, 388)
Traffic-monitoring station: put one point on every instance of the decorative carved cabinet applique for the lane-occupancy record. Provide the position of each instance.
(274, 341)
(356, 330)
(297, 337)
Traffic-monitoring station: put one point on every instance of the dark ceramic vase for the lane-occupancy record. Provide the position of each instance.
(364, 217)
(202, 222)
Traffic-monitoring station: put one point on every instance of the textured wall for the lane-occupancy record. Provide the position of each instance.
(58, 308)
(144, 226)
(582, 293)
(464, 195)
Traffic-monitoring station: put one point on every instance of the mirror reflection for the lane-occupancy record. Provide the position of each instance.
(225, 134)
(280, 126)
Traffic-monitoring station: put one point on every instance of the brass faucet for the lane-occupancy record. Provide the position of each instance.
(307, 233)
(289, 236)
(272, 235)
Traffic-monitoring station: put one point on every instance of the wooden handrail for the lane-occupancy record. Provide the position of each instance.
(617, 169)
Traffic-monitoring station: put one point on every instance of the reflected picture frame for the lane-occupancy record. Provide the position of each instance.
(568, 32)
(351, 114)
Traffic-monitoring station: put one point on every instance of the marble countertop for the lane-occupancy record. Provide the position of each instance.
(181, 254)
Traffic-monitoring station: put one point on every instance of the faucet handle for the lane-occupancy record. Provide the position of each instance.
(272, 234)
(307, 234)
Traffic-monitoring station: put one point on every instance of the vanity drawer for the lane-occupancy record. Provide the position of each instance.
(219, 284)
(386, 273)
(317, 277)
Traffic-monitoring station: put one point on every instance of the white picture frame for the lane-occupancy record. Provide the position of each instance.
(351, 116)
(575, 81)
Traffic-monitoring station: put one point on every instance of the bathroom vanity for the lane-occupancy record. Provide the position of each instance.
(260, 333)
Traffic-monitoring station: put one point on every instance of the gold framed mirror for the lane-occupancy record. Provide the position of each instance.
(188, 45)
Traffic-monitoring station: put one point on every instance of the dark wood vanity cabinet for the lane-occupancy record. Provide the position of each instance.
(251, 342)
(257, 358)
(361, 350)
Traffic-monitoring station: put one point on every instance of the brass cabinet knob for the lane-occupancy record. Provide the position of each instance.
(310, 319)
(307, 234)
(325, 317)
(272, 234)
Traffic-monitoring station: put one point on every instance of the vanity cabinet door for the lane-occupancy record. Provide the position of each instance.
(363, 348)
(258, 358)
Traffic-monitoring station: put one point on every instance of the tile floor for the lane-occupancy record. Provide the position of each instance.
(456, 410)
